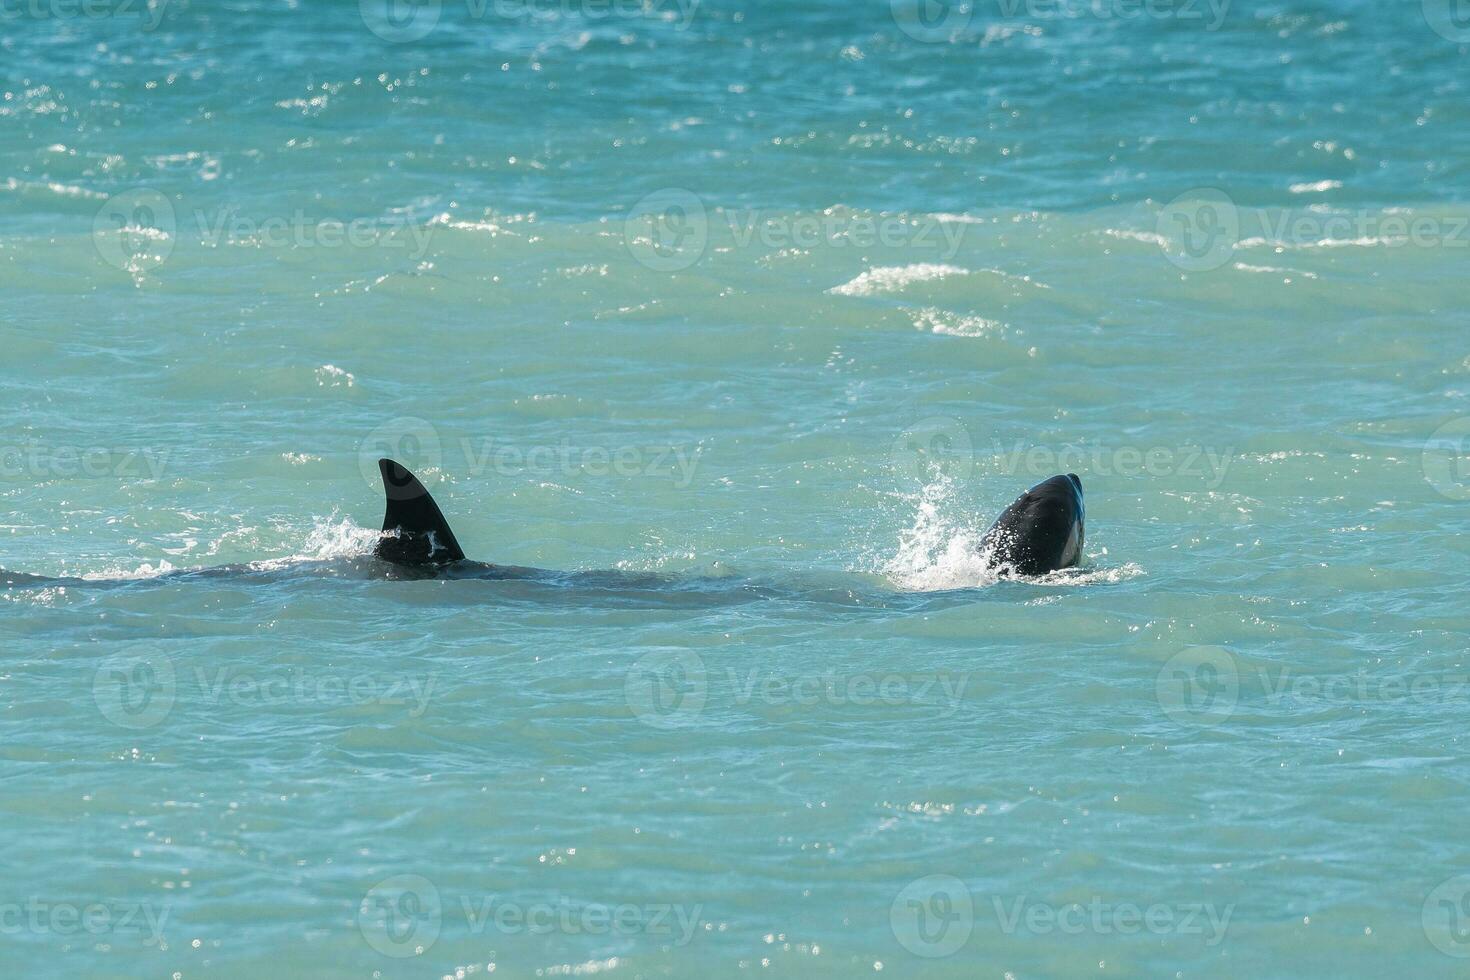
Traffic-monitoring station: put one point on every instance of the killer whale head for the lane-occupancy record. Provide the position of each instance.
(1041, 532)
(414, 529)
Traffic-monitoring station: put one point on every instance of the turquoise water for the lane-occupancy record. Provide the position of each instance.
(741, 322)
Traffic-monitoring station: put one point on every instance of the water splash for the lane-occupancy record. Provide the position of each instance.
(329, 539)
(941, 550)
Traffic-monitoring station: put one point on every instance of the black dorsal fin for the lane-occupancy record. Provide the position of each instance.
(414, 530)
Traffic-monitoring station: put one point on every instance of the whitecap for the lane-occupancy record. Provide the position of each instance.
(891, 278)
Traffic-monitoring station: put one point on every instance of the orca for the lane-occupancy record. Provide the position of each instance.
(1041, 532)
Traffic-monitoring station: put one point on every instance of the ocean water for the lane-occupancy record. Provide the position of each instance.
(738, 322)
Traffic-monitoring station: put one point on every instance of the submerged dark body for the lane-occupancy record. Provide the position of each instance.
(1041, 532)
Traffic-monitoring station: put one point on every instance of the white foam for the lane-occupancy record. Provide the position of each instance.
(1129, 234)
(1316, 188)
(934, 320)
(143, 571)
(892, 278)
(328, 540)
(1275, 270)
(331, 376)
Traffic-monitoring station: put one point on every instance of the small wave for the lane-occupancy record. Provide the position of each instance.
(51, 187)
(1275, 270)
(1362, 241)
(1315, 188)
(891, 278)
(1132, 235)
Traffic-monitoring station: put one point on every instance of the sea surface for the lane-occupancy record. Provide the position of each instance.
(735, 323)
